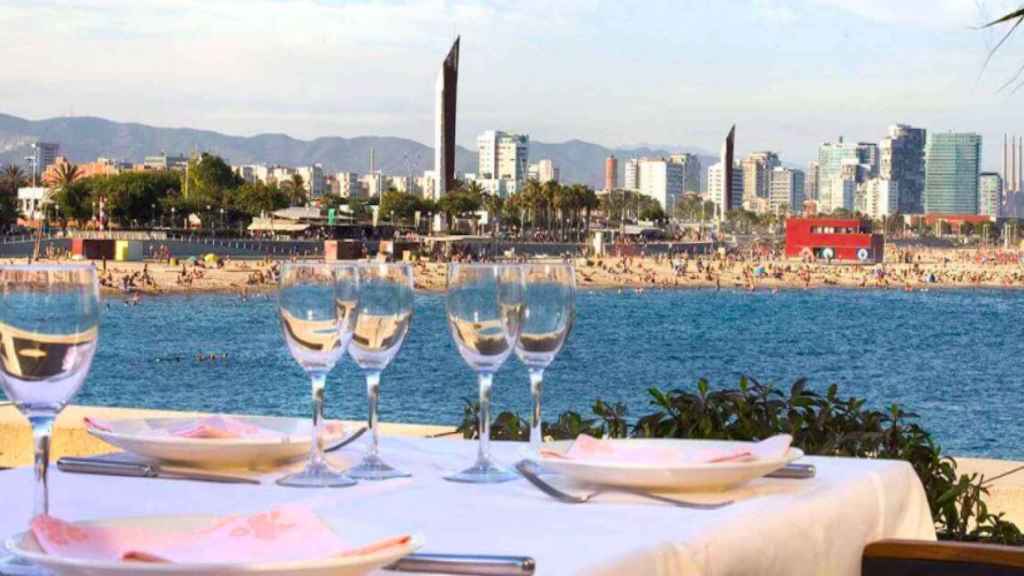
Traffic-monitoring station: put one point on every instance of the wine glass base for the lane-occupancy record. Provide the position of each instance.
(11, 565)
(317, 476)
(483, 473)
(373, 468)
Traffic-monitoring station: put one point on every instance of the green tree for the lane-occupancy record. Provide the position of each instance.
(75, 200)
(131, 196)
(255, 198)
(11, 178)
(296, 190)
(209, 181)
(9, 212)
(494, 205)
(64, 174)
(399, 206)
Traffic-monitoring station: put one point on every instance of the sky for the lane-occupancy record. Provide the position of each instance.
(790, 73)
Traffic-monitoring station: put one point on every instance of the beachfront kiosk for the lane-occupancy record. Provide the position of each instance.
(842, 239)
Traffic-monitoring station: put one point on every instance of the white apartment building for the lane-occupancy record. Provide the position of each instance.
(663, 181)
(881, 197)
(346, 185)
(990, 194)
(840, 192)
(787, 190)
(312, 179)
(715, 180)
(245, 172)
(375, 183)
(427, 183)
(503, 157)
(631, 179)
(544, 171)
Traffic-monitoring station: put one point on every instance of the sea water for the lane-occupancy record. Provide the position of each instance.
(952, 356)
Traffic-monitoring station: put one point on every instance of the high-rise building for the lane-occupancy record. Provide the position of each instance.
(952, 162)
(902, 160)
(1013, 175)
(730, 197)
(787, 190)
(544, 171)
(312, 179)
(868, 155)
(611, 173)
(691, 171)
(631, 179)
(348, 185)
(43, 155)
(881, 197)
(446, 89)
(990, 194)
(503, 155)
(663, 181)
(811, 181)
(757, 172)
(833, 189)
(716, 179)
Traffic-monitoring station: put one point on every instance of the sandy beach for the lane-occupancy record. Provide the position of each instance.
(913, 269)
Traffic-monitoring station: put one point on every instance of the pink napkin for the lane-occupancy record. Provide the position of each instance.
(286, 534)
(216, 427)
(590, 449)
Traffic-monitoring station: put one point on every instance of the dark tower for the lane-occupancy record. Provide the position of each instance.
(444, 141)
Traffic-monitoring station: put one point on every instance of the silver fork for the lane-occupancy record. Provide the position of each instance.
(528, 469)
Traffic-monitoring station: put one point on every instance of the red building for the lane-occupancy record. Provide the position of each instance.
(833, 239)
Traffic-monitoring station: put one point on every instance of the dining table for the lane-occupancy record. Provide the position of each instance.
(816, 525)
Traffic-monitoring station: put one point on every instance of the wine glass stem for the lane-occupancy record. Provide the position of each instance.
(536, 388)
(316, 451)
(372, 396)
(42, 426)
(484, 422)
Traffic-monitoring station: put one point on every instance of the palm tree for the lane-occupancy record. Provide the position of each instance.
(1017, 17)
(296, 190)
(14, 174)
(588, 202)
(494, 204)
(63, 175)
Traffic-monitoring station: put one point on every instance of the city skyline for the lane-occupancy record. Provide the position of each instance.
(705, 83)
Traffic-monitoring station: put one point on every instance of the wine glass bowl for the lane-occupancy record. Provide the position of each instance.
(548, 316)
(385, 311)
(317, 304)
(484, 307)
(49, 329)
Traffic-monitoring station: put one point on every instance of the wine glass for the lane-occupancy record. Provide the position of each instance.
(485, 303)
(385, 310)
(49, 324)
(548, 316)
(318, 305)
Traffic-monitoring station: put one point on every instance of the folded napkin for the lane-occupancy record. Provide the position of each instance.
(590, 449)
(219, 427)
(286, 534)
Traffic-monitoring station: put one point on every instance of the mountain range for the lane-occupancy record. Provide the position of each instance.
(83, 139)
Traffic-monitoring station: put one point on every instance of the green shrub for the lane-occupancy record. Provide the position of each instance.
(825, 425)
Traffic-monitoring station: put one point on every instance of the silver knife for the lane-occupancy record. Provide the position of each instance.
(142, 470)
(465, 564)
(794, 471)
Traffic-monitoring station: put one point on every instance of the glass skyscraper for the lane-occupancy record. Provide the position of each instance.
(952, 162)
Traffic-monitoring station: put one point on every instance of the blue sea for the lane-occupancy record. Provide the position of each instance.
(952, 356)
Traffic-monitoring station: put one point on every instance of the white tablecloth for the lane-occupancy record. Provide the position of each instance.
(786, 527)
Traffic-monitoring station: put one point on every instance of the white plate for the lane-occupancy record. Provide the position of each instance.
(683, 476)
(24, 545)
(149, 438)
